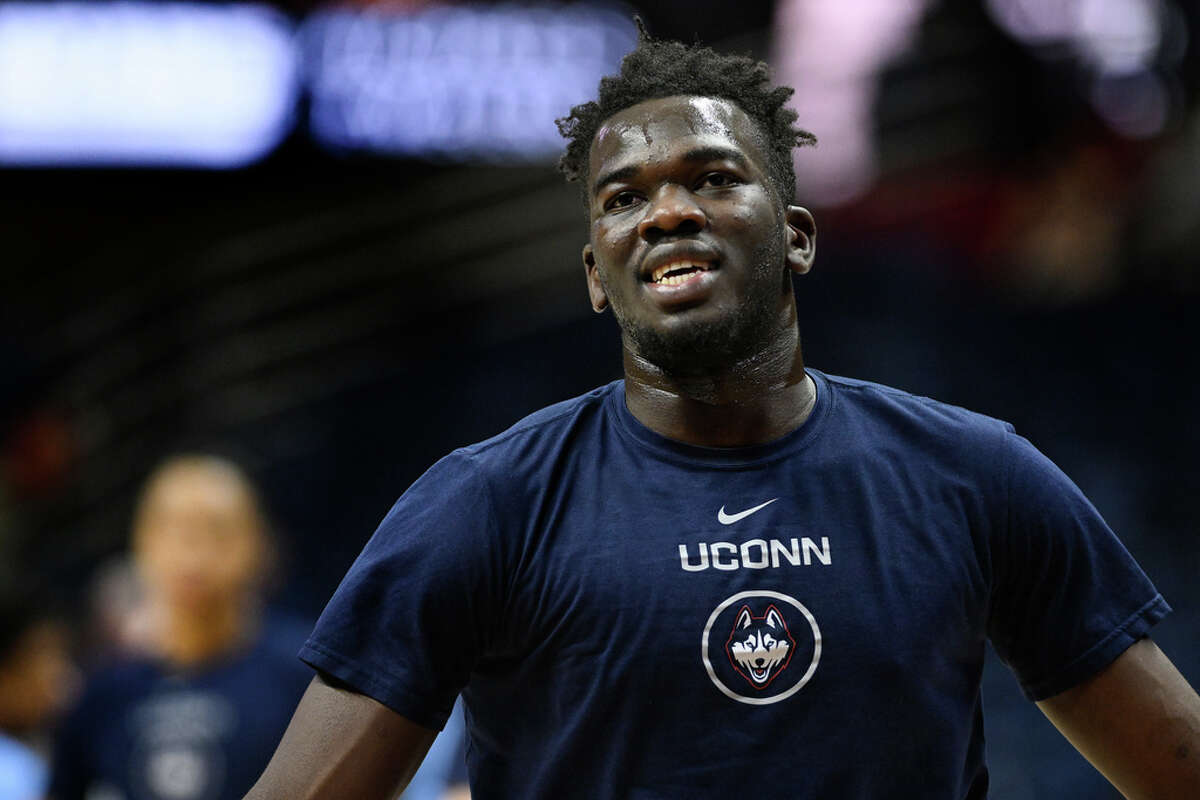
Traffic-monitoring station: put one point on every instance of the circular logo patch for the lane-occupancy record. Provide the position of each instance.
(760, 647)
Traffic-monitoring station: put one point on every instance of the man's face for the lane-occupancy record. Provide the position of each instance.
(37, 678)
(689, 243)
(197, 538)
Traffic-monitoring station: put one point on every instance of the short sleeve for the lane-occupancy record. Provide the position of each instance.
(1067, 597)
(414, 613)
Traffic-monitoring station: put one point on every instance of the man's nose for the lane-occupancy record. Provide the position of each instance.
(673, 211)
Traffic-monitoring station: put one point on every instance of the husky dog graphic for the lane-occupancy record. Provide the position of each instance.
(760, 647)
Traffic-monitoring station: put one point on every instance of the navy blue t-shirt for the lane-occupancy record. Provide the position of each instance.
(632, 617)
(144, 732)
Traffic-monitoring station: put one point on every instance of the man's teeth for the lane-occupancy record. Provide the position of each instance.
(674, 280)
(684, 270)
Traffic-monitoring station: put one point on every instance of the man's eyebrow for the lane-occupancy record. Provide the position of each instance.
(616, 175)
(717, 153)
(696, 155)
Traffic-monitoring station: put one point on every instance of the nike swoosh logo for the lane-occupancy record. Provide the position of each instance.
(729, 519)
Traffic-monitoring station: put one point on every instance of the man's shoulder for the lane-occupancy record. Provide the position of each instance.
(124, 672)
(548, 427)
(876, 405)
(113, 686)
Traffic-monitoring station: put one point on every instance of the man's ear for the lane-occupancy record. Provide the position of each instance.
(595, 287)
(801, 239)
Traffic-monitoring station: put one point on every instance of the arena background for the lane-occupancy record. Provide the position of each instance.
(1008, 200)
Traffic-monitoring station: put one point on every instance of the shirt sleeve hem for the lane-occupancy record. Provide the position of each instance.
(398, 698)
(1102, 653)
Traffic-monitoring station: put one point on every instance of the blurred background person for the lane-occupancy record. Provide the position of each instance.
(443, 773)
(37, 678)
(116, 623)
(198, 715)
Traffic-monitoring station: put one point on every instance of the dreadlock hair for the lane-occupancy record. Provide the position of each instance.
(658, 68)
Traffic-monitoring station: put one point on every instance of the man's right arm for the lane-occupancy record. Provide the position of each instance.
(343, 744)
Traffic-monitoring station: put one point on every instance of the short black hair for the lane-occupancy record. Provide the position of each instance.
(662, 68)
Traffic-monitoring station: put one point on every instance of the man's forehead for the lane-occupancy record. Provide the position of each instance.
(680, 115)
(650, 127)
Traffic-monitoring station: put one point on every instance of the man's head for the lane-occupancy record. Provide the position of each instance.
(37, 676)
(664, 68)
(686, 167)
(200, 538)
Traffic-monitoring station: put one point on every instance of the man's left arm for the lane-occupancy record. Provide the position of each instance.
(1138, 722)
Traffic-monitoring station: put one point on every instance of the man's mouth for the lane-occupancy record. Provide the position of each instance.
(678, 272)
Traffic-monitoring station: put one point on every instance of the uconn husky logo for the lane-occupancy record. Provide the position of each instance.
(760, 647)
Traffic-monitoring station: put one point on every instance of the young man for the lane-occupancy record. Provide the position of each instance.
(198, 715)
(37, 679)
(728, 574)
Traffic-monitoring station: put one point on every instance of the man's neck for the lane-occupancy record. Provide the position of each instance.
(752, 401)
(187, 638)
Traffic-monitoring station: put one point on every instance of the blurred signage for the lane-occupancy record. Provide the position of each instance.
(457, 81)
(144, 83)
(190, 84)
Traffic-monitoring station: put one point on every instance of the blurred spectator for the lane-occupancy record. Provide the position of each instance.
(1056, 236)
(36, 678)
(443, 773)
(198, 716)
(118, 624)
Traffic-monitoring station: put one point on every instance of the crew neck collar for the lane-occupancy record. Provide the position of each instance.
(722, 457)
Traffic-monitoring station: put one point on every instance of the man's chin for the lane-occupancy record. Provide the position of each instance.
(690, 349)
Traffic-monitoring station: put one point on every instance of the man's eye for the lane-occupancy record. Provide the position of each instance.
(719, 180)
(621, 200)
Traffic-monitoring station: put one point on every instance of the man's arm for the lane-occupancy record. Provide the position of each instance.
(1138, 722)
(343, 744)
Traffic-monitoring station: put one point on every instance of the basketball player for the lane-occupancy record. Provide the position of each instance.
(728, 575)
(197, 716)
